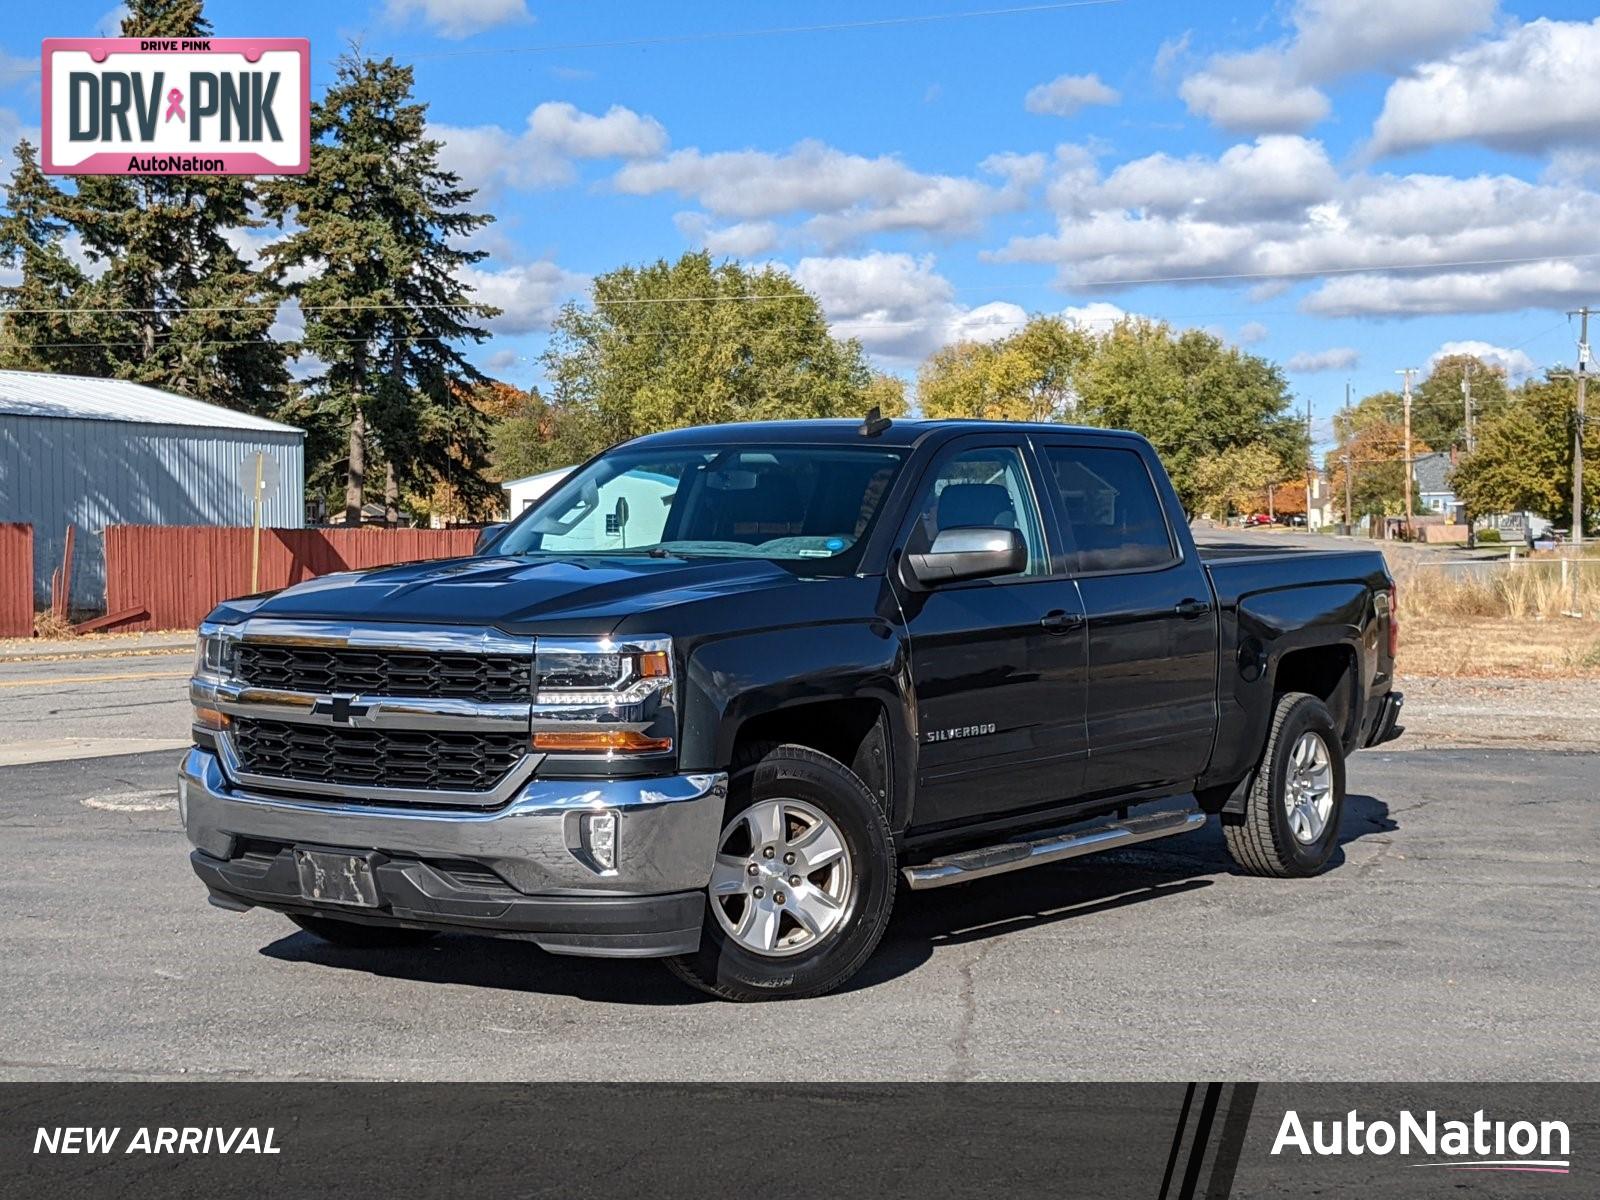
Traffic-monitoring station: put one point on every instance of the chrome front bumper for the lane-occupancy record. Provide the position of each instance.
(666, 833)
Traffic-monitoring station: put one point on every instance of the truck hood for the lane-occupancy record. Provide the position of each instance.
(511, 592)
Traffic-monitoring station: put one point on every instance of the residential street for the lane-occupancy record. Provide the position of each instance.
(76, 708)
(1457, 937)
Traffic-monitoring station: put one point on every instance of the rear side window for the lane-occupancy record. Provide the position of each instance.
(1109, 505)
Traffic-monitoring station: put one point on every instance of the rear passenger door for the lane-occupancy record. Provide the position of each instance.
(1152, 631)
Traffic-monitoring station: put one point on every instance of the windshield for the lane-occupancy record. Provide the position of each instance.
(804, 504)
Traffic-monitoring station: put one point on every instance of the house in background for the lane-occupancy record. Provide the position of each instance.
(1431, 475)
(1319, 513)
(520, 493)
(97, 452)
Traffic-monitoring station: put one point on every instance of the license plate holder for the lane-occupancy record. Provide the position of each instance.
(332, 877)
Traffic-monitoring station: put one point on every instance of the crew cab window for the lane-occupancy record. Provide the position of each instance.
(1109, 506)
(812, 504)
(981, 488)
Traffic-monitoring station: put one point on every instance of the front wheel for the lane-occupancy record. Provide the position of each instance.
(1290, 825)
(802, 885)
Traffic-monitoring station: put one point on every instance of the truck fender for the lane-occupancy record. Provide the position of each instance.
(730, 681)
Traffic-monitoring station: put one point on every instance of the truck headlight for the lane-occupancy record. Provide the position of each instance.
(603, 696)
(213, 653)
(584, 672)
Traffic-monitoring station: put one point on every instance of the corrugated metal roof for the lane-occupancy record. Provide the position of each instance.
(37, 394)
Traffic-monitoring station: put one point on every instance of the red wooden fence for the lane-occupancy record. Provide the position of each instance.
(178, 573)
(16, 580)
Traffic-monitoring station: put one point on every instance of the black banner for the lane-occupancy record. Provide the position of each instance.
(787, 1141)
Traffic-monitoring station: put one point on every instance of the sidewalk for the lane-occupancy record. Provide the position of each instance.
(94, 645)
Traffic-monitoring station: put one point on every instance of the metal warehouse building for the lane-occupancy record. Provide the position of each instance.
(99, 452)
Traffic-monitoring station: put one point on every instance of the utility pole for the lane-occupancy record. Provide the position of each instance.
(1310, 464)
(1466, 403)
(1578, 429)
(1349, 461)
(1408, 372)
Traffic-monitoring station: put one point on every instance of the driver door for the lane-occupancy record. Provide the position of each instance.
(998, 665)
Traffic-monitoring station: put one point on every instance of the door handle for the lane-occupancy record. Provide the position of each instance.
(1061, 621)
(1192, 607)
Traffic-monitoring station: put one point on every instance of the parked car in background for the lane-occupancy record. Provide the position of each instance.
(1258, 519)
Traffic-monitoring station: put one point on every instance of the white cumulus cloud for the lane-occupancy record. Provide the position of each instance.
(843, 196)
(1253, 93)
(1275, 88)
(1533, 89)
(1275, 212)
(528, 294)
(1340, 358)
(1512, 361)
(1066, 95)
(542, 154)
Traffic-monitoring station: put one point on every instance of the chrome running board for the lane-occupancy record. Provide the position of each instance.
(1013, 856)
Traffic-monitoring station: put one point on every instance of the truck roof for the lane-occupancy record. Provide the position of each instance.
(901, 432)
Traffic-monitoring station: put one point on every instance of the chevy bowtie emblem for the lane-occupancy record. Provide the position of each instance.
(339, 709)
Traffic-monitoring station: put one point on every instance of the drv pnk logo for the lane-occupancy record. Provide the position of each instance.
(177, 106)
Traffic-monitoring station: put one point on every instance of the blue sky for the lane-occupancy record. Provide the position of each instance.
(931, 179)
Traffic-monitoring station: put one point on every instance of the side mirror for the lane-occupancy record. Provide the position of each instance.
(487, 535)
(975, 553)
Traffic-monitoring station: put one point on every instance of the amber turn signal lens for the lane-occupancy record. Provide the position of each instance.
(624, 741)
(210, 718)
(654, 664)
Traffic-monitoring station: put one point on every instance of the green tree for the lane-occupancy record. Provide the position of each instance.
(176, 305)
(1191, 394)
(1237, 479)
(1371, 434)
(374, 256)
(1523, 461)
(1438, 407)
(40, 331)
(1028, 376)
(692, 343)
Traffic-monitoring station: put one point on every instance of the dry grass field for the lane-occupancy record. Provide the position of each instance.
(1522, 620)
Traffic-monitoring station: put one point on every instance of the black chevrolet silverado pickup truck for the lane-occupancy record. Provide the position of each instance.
(722, 692)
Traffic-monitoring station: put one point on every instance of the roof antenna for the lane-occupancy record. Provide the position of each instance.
(875, 423)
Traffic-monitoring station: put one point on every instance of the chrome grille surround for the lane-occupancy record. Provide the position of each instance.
(376, 746)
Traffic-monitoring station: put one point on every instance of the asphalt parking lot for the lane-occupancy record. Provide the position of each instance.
(1457, 937)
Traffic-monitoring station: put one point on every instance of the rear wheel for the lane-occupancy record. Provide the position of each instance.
(356, 936)
(802, 885)
(1290, 825)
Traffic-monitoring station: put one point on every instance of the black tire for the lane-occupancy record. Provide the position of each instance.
(353, 935)
(729, 971)
(1263, 843)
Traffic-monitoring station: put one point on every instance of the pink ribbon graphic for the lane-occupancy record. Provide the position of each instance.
(175, 106)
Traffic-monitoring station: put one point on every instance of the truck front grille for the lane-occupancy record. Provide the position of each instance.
(409, 758)
(483, 677)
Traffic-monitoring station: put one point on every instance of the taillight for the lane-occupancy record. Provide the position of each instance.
(1394, 622)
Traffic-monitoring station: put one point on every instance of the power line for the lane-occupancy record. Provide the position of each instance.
(675, 39)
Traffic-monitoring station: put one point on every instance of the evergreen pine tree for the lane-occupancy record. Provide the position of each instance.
(373, 255)
(40, 330)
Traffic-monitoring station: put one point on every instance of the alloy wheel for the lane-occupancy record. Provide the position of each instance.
(782, 882)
